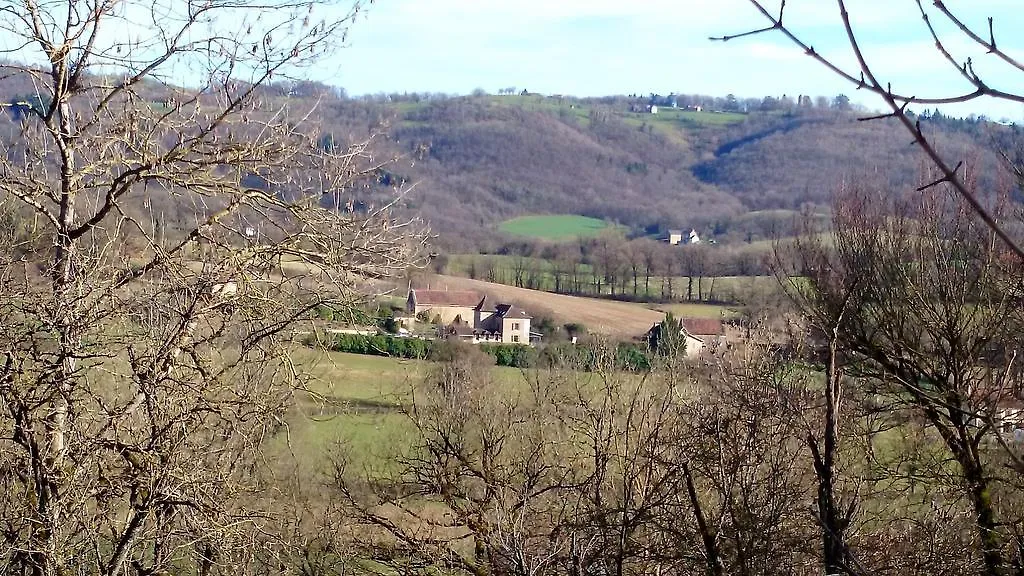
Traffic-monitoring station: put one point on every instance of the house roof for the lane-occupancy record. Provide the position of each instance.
(510, 311)
(464, 298)
(1012, 405)
(702, 326)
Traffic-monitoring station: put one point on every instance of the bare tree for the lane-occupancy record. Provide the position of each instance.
(143, 366)
(923, 302)
(561, 266)
(480, 491)
(826, 312)
(693, 260)
(490, 270)
(520, 264)
(648, 253)
(864, 77)
(585, 468)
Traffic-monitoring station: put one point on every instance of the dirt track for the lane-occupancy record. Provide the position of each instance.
(620, 319)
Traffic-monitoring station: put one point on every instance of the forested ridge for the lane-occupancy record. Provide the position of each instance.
(734, 170)
(736, 176)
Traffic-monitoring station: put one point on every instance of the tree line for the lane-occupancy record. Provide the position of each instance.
(641, 269)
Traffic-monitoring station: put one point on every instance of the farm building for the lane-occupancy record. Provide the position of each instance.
(468, 316)
(676, 237)
(448, 305)
(512, 324)
(700, 335)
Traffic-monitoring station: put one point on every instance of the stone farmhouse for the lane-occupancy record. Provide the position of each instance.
(701, 334)
(468, 316)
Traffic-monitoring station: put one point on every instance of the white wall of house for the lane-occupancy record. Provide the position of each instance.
(694, 346)
(515, 330)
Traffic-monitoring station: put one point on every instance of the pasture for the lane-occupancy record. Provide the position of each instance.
(682, 119)
(351, 410)
(555, 227)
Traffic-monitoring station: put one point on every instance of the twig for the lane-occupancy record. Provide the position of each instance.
(940, 180)
(990, 45)
(898, 103)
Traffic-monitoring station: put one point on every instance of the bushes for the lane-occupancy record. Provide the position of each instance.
(591, 356)
(382, 345)
(625, 356)
(512, 355)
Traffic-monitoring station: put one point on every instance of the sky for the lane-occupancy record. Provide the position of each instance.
(606, 47)
(602, 47)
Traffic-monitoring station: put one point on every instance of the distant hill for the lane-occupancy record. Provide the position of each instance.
(481, 160)
(491, 158)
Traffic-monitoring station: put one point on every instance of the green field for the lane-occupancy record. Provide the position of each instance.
(352, 411)
(682, 119)
(711, 118)
(554, 227)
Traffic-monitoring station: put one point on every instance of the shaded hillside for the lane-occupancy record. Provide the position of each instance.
(480, 160)
(487, 161)
(804, 160)
(492, 158)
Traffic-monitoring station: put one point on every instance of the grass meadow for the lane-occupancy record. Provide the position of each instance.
(352, 410)
(555, 227)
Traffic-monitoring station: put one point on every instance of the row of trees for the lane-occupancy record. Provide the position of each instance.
(641, 269)
(785, 103)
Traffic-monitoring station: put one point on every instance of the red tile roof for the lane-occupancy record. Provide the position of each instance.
(702, 326)
(464, 298)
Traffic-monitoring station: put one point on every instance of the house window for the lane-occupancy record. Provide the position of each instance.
(515, 326)
(515, 338)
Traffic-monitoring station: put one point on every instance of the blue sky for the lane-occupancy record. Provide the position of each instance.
(599, 47)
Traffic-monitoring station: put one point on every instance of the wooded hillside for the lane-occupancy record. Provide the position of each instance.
(484, 159)
(733, 170)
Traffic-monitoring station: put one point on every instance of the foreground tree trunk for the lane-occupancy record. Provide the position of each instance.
(144, 363)
(832, 520)
(924, 307)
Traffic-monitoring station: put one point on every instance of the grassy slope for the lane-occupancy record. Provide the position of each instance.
(352, 410)
(554, 227)
(665, 118)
